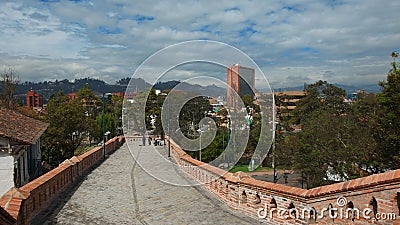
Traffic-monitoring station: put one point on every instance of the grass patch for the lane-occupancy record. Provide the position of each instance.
(80, 150)
(245, 168)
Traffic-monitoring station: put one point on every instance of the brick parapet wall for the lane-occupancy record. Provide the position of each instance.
(241, 192)
(26, 202)
(6, 218)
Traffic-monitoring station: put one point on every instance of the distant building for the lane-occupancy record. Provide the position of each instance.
(71, 96)
(287, 99)
(241, 80)
(216, 104)
(119, 94)
(286, 102)
(33, 99)
(88, 103)
(130, 95)
(20, 155)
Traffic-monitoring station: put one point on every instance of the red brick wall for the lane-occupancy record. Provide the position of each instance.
(37, 99)
(241, 192)
(29, 200)
(5, 217)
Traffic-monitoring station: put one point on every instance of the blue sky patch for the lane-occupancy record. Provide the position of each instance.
(310, 50)
(232, 9)
(49, 1)
(140, 18)
(335, 3)
(107, 30)
(247, 31)
(293, 8)
(205, 28)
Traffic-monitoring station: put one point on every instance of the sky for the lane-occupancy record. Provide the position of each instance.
(293, 42)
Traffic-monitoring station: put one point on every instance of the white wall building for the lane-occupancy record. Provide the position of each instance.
(19, 149)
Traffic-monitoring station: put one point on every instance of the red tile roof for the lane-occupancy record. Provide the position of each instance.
(20, 128)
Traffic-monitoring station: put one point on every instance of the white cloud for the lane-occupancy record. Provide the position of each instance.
(347, 42)
(30, 31)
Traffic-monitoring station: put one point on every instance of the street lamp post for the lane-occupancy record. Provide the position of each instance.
(249, 120)
(229, 139)
(105, 137)
(169, 129)
(223, 143)
(200, 131)
(102, 128)
(102, 124)
(274, 125)
(200, 147)
(273, 161)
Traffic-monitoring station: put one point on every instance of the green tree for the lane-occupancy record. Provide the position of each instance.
(322, 144)
(133, 113)
(134, 116)
(116, 109)
(389, 124)
(365, 116)
(216, 147)
(92, 106)
(321, 96)
(89, 101)
(341, 139)
(191, 114)
(112, 116)
(69, 126)
(109, 125)
(153, 108)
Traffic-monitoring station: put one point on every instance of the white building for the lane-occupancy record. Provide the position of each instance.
(19, 149)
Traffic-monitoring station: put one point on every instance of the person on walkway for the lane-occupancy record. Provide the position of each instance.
(149, 140)
(144, 141)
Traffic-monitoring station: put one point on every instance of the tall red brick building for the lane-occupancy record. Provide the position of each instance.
(241, 80)
(34, 99)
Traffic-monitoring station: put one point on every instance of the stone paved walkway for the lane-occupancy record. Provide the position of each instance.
(121, 192)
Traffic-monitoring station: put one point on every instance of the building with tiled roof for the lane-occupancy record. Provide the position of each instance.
(286, 102)
(20, 154)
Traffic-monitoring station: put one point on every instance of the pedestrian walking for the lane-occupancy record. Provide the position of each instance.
(144, 141)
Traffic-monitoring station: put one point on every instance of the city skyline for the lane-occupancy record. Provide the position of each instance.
(338, 41)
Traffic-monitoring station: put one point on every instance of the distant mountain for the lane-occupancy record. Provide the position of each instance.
(137, 83)
(374, 88)
(210, 90)
(48, 88)
(162, 86)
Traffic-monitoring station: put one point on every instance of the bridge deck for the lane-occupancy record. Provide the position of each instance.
(121, 192)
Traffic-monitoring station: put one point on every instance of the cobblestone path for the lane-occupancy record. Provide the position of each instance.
(121, 192)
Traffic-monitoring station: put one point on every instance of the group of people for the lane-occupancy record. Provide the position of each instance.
(156, 142)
